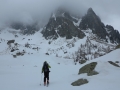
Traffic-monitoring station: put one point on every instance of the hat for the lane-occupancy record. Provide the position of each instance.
(45, 62)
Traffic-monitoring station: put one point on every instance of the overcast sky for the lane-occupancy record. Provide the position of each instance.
(29, 11)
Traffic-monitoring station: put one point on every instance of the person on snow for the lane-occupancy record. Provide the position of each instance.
(46, 71)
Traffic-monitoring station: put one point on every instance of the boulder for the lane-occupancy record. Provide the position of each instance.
(89, 69)
(80, 82)
(10, 41)
(118, 46)
(114, 64)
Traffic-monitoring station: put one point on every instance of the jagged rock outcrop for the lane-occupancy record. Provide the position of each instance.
(114, 35)
(92, 21)
(61, 25)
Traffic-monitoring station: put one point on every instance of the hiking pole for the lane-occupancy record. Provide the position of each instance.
(41, 79)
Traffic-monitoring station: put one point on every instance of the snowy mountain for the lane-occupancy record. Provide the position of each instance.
(93, 22)
(67, 43)
(65, 36)
(64, 24)
(61, 25)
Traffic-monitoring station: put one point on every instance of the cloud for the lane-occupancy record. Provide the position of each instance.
(26, 10)
(30, 11)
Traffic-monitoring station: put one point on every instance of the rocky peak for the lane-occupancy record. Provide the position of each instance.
(61, 12)
(61, 25)
(58, 12)
(109, 27)
(114, 35)
(93, 22)
(90, 11)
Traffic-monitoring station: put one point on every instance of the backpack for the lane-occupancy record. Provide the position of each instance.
(45, 67)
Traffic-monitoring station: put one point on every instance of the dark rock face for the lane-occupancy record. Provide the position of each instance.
(114, 35)
(114, 64)
(61, 25)
(89, 69)
(92, 21)
(10, 41)
(80, 82)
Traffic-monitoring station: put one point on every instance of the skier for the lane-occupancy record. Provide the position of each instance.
(46, 71)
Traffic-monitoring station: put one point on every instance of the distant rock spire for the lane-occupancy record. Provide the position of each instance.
(93, 22)
(90, 11)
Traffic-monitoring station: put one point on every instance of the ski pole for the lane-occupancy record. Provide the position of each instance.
(41, 79)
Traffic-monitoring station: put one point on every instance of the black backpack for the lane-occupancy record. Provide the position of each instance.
(45, 67)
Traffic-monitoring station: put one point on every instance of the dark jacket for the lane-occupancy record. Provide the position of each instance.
(47, 65)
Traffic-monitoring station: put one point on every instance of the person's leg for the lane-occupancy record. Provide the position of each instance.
(48, 77)
(45, 76)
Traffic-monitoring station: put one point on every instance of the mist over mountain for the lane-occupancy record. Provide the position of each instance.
(32, 11)
(61, 20)
(64, 24)
(58, 18)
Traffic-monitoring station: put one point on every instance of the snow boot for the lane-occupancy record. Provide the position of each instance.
(47, 83)
(44, 83)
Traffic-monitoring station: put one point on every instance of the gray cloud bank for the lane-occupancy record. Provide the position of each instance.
(30, 11)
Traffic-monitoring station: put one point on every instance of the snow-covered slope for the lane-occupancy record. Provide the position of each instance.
(24, 73)
(61, 47)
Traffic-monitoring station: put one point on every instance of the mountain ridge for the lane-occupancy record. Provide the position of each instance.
(64, 24)
(64, 37)
(88, 21)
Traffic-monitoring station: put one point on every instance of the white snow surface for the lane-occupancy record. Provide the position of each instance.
(24, 72)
